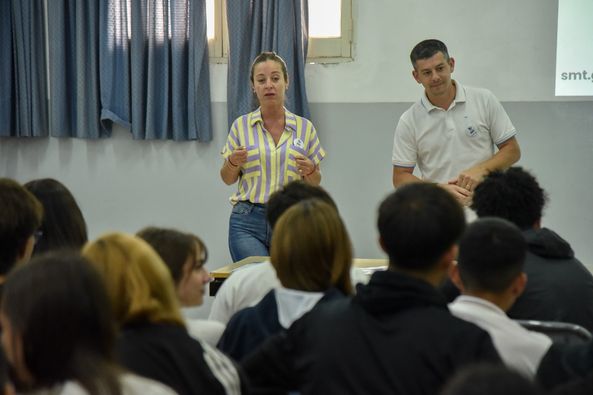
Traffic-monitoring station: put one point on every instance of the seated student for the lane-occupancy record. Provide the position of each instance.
(567, 365)
(154, 342)
(396, 336)
(20, 218)
(558, 282)
(185, 255)
(485, 379)
(63, 225)
(58, 332)
(312, 254)
(247, 286)
(490, 275)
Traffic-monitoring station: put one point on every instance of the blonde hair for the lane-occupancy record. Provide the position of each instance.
(311, 250)
(139, 284)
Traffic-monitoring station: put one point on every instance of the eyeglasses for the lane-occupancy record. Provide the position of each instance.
(37, 235)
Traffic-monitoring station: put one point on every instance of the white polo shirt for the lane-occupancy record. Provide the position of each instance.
(519, 348)
(443, 143)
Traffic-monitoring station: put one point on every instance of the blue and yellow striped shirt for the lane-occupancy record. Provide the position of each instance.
(269, 165)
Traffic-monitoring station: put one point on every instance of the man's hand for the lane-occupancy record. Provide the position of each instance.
(462, 195)
(470, 178)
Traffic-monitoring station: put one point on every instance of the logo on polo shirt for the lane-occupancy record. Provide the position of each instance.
(298, 143)
(470, 129)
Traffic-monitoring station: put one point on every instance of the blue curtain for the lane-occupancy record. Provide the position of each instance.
(156, 83)
(266, 25)
(23, 81)
(73, 28)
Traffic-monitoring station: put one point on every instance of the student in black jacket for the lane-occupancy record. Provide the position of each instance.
(558, 283)
(396, 336)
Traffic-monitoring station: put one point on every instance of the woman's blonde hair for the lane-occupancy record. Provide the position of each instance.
(139, 285)
(311, 250)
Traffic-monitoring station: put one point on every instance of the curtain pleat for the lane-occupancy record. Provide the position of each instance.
(23, 81)
(75, 103)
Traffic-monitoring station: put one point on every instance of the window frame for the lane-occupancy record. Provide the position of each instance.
(320, 50)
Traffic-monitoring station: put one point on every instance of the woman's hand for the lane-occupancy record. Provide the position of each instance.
(305, 166)
(238, 157)
(308, 170)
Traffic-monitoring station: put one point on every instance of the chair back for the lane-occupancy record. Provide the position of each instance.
(559, 332)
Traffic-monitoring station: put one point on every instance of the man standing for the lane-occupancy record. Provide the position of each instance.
(450, 133)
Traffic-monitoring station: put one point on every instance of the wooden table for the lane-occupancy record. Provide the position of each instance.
(222, 273)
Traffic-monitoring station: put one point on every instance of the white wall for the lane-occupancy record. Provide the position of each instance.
(507, 46)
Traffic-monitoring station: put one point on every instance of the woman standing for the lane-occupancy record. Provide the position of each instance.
(265, 150)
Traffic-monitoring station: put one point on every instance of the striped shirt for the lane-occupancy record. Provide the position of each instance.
(269, 165)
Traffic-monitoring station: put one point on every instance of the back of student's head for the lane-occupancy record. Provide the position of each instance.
(58, 324)
(139, 284)
(174, 247)
(63, 224)
(311, 250)
(417, 224)
(491, 255)
(484, 379)
(20, 217)
(292, 193)
(513, 194)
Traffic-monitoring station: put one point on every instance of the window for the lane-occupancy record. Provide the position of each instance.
(330, 30)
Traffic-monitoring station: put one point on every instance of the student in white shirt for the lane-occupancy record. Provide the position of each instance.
(490, 276)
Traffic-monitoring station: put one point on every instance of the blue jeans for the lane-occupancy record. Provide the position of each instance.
(249, 231)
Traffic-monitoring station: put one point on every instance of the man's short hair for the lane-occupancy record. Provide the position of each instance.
(514, 195)
(20, 217)
(427, 49)
(491, 255)
(292, 193)
(418, 223)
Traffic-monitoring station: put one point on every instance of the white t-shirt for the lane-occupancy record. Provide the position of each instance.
(518, 347)
(443, 143)
(206, 330)
(245, 287)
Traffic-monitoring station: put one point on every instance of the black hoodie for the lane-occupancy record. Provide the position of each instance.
(559, 287)
(396, 336)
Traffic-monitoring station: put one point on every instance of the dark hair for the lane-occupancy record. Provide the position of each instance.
(174, 247)
(3, 371)
(292, 193)
(491, 254)
(487, 379)
(311, 249)
(427, 49)
(418, 223)
(63, 224)
(20, 217)
(513, 194)
(58, 305)
(264, 57)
